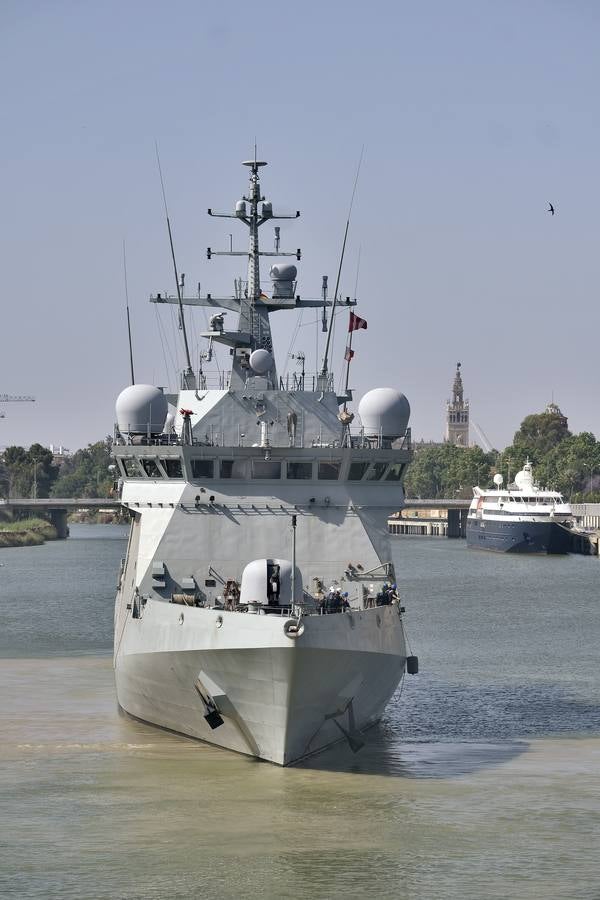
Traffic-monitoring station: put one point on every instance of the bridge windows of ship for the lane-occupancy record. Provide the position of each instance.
(266, 469)
(329, 470)
(260, 469)
(357, 470)
(233, 468)
(395, 471)
(301, 471)
(130, 467)
(366, 471)
(375, 471)
(203, 468)
(150, 467)
(173, 467)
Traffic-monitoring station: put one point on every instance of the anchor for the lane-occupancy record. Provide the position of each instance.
(355, 740)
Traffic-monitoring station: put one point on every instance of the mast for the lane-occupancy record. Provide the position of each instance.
(253, 210)
(253, 307)
(253, 223)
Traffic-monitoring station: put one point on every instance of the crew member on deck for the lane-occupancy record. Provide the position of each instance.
(274, 585)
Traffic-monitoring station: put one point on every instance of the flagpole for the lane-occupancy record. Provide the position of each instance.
(349, 357)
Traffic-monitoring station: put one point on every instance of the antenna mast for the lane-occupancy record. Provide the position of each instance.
(128, 318)
(323, 372)
(189, 380)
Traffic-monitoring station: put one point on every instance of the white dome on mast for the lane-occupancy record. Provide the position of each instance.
(385, 412)
(141, 409)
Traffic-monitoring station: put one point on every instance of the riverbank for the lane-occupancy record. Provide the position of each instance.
(99, 517)
(29, 532)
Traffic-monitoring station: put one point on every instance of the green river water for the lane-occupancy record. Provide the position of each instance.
(483, 780)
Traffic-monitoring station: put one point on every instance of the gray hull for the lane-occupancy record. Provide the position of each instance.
(279, 703)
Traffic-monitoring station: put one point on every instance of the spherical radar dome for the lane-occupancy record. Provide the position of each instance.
(261, 361)
(384, 411)
(141, 408)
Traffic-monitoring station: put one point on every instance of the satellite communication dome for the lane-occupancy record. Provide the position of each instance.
(385, 412)
(141, 409)
(498, 479)
(261, 361)
(524, 479)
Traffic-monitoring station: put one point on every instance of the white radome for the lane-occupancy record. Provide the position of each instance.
(384, 411)
(141, 408)
(261, 361)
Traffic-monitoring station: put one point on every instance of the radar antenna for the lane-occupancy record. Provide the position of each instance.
(188, 376)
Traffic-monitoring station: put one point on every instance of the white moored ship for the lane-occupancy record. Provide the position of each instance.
(257, 514)
(522, 518)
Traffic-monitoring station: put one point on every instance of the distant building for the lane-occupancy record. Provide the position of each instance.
(457, 414)
(59, 454)
(553, 410)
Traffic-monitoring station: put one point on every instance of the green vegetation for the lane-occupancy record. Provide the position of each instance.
(24, 473)
(562, 461)
(23, 470)
(25, 532)
(444, 470)
(86, 474)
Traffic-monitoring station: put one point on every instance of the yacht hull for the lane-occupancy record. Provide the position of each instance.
(280, 699)
(518, 537)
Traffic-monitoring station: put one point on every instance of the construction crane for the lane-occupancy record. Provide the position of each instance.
(484, 439)
(11, 398)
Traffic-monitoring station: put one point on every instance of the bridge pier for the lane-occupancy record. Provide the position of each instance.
(457, 523)
(58, 517)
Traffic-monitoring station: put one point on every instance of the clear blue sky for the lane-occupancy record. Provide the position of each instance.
(473, 115)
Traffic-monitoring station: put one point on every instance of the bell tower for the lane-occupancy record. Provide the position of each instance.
(457, 414)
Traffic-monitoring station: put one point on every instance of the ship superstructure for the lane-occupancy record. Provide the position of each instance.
(522, 518)
(258, 514)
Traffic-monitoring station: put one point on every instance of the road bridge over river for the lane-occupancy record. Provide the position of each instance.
(57, 509)
(418, 514)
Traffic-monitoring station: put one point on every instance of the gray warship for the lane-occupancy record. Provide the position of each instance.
(256, 607)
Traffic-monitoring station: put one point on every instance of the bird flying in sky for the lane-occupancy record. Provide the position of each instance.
(550, 209)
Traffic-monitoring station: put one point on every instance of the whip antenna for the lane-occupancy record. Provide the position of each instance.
(189, 375)
(339, 273)
(128, 318)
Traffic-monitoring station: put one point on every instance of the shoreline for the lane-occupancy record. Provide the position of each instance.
(26, 533)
